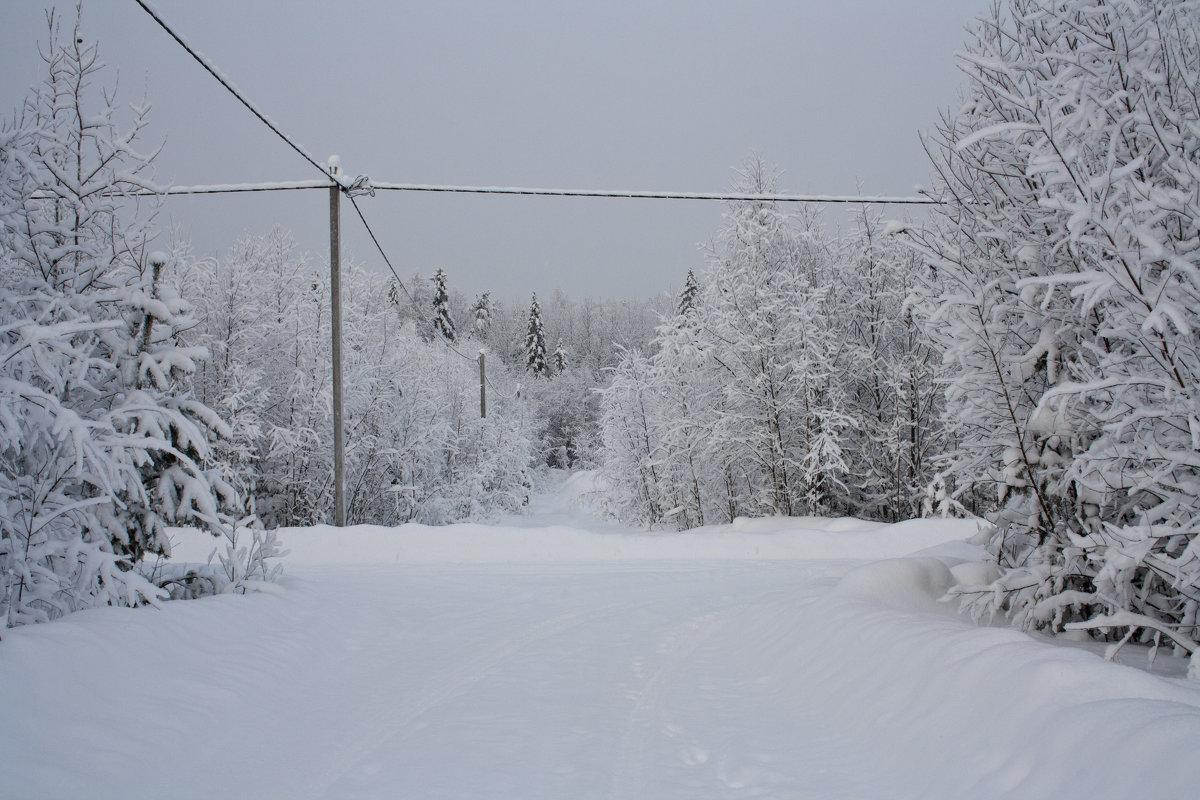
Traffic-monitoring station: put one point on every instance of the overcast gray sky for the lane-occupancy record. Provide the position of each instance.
(598, 95)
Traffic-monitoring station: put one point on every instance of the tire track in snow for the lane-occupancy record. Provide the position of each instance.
(675, 648)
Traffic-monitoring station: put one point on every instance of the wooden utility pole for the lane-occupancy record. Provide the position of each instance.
(335, 305)
(482, 388)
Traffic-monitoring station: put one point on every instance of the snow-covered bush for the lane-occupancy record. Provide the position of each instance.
(1065, 290)
(101, 443)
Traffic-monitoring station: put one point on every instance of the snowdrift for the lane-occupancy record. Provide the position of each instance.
(780, 538)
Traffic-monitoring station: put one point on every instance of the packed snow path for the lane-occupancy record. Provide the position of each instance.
(549, 662)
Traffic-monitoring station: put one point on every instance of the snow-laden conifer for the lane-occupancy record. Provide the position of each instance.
(560, 358)
(481, 316)
(102, 445)
(442, 322)
(688, 295)
(535, 342)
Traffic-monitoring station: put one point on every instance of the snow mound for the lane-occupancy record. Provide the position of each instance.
(911, 584)
(777, 538)
(975, 573)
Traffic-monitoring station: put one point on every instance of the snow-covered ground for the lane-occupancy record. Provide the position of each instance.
(553, 656)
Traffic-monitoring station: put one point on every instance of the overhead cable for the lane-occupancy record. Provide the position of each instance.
(379, 247)
(216, 73)
(362, 185)
(413, 301)
(657, 195)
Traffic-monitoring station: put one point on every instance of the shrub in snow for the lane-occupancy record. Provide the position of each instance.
(1065, 290)
(246, 559)
(101, 443)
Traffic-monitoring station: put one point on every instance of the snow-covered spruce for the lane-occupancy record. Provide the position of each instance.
(481, 316)
(535, 342)
(101, 443)
(443, 324)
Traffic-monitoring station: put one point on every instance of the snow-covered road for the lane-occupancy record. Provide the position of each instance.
(550, 662)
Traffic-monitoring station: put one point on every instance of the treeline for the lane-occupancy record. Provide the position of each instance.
(416, 447)
(790, 380)
(560, 350)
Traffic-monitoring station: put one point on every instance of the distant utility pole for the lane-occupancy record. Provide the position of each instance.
(335, 306)
(482, 388)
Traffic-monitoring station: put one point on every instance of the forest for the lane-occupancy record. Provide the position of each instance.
(1027, 354)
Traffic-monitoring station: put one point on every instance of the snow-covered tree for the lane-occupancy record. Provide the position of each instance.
(1064, 290)
(764, 323)
(689, 294)
(631, 431)
(442, 323)
(102, 445)
(560, 358)
(535, 342)
(481, 316)
(891, 373)
(741, 409)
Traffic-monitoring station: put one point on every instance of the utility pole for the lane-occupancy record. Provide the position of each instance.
(335, 306)
(482, 388)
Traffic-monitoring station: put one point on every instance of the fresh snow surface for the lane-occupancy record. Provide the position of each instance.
(554, 656)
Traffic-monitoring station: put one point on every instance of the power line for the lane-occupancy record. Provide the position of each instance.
(149, 9)
(657, 195)
(395, 274)
(379, 247)
(363, 184)
(235, 188)
(280, 186)
(413, 301)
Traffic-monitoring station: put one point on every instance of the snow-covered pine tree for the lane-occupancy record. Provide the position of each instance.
(442, 323)
(535, 342)
(1066, 294)
(101, 443)
(481, 316)
(560, 358)
(689, 295)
